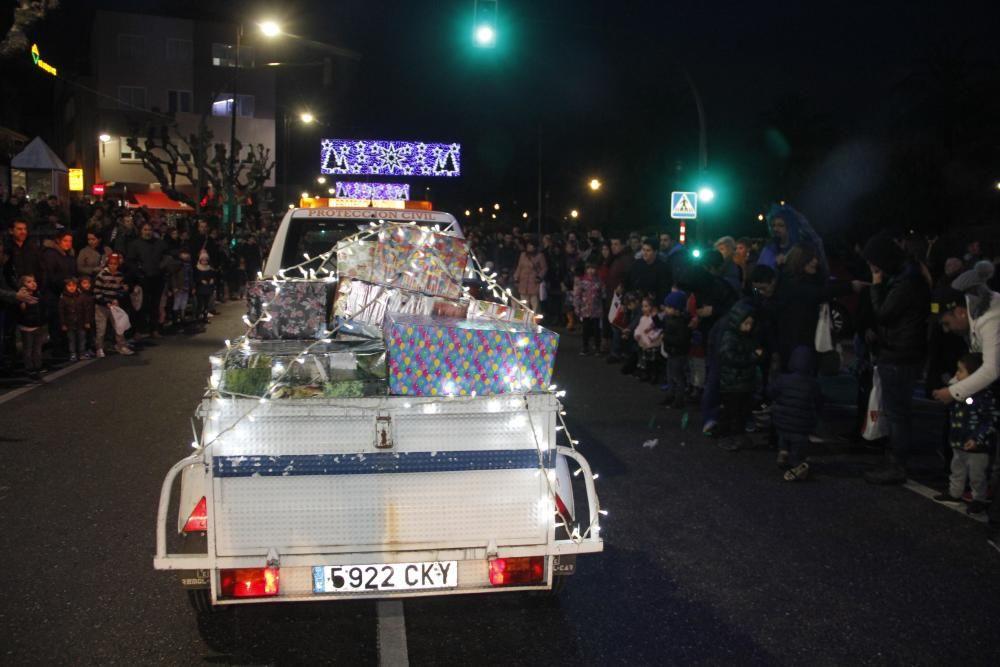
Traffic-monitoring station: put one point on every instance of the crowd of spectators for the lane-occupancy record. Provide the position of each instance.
(76, 273)
(732, 332)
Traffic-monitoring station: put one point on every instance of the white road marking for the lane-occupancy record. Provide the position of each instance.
(929, 493)
(11, 395)
(391, 634)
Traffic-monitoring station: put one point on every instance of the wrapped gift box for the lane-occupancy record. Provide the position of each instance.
(298, 309)
(409, 257)
(490, 310)
(431, 356)
(302, 369)
(359, 301)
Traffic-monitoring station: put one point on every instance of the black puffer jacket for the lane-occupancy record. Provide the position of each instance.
(737, 361)
(901, 305)
(676, 335)
(795, 395)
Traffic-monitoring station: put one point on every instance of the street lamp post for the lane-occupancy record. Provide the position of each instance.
(230, 206)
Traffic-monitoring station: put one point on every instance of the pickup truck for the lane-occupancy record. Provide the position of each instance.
(321, 499)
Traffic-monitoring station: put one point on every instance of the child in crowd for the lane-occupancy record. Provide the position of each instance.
(204, 280)
(648, 337)
(675, 346)
(794, 397)
(738, 358)
(183, 278)
(588, 299)
(30, 319)
(87, 296)
(628, 319)
(973, 435)
(73, 318)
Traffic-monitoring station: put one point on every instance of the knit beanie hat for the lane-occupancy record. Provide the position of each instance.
(676, 300)
(974, 283)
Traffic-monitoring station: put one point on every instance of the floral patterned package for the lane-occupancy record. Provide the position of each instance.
(421, 260)
(297, 309)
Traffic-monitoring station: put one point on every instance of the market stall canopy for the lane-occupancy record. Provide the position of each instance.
(38, 155)
(159, 201)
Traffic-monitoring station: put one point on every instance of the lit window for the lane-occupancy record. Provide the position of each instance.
(222, 106)
(224, 55)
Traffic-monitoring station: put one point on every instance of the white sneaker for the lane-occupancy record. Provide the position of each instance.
(100, 353)
(125, 350)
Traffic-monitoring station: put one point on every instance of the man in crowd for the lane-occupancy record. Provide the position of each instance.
(900, 299)
(145, 258)
(650, 275)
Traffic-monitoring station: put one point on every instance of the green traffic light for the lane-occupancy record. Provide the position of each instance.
(696, 253)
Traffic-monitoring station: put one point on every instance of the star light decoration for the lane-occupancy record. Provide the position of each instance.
(356, 190)
(389, 158)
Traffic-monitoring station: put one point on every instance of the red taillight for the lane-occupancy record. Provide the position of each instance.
(198, 521)
(255, 582)
(513, 571)
(562, 509)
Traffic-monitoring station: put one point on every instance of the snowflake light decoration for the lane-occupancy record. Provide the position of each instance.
(383, 191)
(389, 158)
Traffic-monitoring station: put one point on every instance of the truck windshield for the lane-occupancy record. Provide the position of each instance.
(315, 236)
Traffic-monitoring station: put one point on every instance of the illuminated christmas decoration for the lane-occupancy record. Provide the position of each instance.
(353, 190)
(389, 158)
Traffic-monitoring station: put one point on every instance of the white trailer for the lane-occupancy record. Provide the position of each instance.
(381, 497)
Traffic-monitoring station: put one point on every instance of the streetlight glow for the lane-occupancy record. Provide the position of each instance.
(706, 194)
(104, 137)
(485, 35)
(496, 207)
(306, 117)
(468, 213)
(305, 195)
(331, 190)
(321, 179)
(525, 215)
(574, 214)
(270, 28)
(480, 209)
(595, 184)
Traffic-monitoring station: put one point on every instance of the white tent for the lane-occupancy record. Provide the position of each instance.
(42, 170)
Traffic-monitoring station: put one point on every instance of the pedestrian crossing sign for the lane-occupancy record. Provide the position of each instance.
(684, 205)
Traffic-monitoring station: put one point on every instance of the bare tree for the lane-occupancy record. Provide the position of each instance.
(26, 12)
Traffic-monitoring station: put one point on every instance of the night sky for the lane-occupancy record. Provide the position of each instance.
(800, 100)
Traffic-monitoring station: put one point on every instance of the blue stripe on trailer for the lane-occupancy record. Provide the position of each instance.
(366, 464)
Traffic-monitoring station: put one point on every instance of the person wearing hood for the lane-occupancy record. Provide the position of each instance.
(787, 228)
(739, 356)
(900, 300)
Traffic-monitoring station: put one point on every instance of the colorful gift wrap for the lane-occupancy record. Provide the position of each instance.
(359, 301)
(409, 257)
(297, 309)
(490, 310)
(434, 356)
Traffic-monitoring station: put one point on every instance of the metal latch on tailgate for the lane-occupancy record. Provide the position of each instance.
(383, 431)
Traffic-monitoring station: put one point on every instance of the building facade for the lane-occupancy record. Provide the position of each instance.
(150, 71)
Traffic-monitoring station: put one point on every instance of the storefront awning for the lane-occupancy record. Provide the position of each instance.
(159, 201)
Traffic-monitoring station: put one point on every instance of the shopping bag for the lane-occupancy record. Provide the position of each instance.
(136, 298)
(875, 424)
(824, 330)
(120, 319)
(616, 307)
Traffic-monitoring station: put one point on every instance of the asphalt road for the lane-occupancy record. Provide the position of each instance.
(710, 557)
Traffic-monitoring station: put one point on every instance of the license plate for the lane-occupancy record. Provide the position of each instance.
(384, 577)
